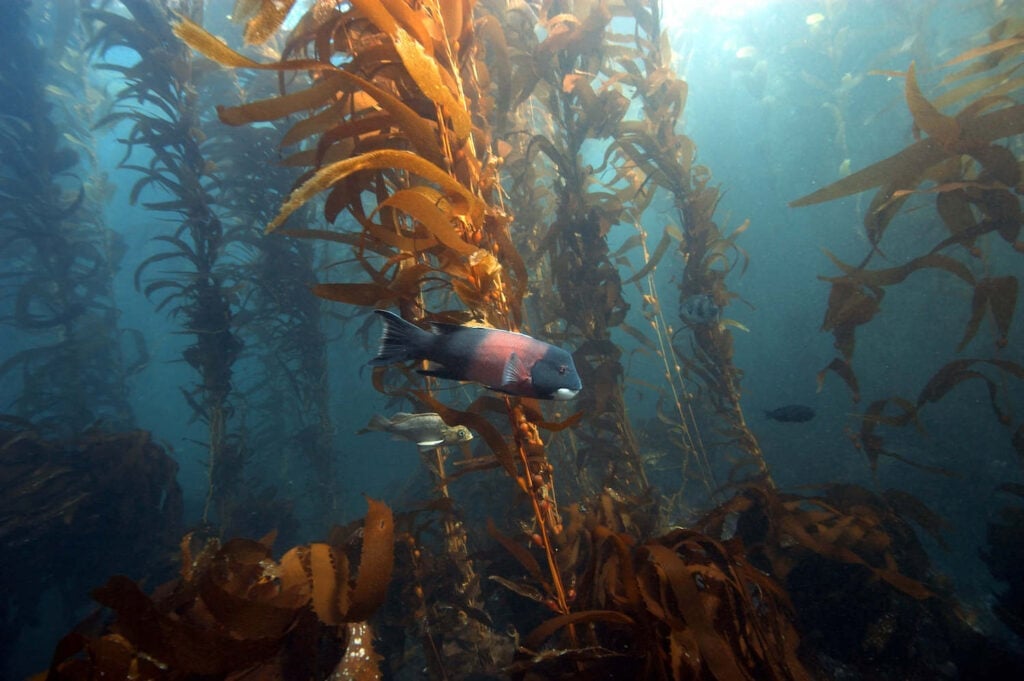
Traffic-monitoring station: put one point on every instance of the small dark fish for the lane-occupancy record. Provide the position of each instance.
(699, 309)
(426, 430)
(791, 413)
(508, 362)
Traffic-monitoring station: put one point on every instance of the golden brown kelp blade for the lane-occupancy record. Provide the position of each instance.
(235, 610)
(678, 606)
(262, 18)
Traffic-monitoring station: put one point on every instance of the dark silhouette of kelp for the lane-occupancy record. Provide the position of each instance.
(74, 510)
(57, 257)
(976, 182)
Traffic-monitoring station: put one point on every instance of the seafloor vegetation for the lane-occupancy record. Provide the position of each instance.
(466, 162)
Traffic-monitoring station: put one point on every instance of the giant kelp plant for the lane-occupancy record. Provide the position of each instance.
(975, 182)
(228, 289)
(58, 256)
(159, 101)
(967, 166)
(447, 144)
(83, 492)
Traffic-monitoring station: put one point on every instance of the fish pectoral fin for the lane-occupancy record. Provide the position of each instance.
(515, 372)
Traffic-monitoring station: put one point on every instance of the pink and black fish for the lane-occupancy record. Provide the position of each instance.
(508, 362)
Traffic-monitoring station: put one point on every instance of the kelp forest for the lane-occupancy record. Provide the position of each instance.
(202, 204)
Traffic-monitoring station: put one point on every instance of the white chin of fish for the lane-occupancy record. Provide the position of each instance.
(564, 394)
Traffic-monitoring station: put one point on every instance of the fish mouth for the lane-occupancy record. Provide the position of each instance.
(564, 394)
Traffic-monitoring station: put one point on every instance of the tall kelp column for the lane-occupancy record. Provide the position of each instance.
(82, 493)
(56, 254)
(238, 296)
(160, 102)
(404, 154)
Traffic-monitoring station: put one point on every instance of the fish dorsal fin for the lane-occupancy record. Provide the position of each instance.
(515, 372)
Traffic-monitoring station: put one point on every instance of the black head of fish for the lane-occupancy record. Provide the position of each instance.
(554, 376)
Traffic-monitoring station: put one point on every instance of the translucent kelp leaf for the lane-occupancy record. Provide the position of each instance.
(405, 286)
(419, 131)
(536, 638)
(390, 16)
(944, 128)
(329, 575)
(999, 163)
(269, 15)
(364, 295)
(911, 161)
(375, 562)
(491, 35)
(842, 369)
(998, 294)
(678, 581)
(945, 379)
(321, 93)
(667, 237)
(431, 79)
(427, 207)
(374, 160)
(1015, 42)
(517, 551)
(955, 211)
(214, 48)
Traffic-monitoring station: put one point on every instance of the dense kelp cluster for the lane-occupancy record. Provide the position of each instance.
(214, 275)
(109, 501)
(467, 162)
(235, 609)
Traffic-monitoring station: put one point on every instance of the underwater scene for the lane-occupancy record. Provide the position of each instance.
(511, 339)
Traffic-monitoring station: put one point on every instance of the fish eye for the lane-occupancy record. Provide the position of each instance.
(562, 369)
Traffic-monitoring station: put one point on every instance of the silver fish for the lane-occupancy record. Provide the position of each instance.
(426, 430)
(699, 309)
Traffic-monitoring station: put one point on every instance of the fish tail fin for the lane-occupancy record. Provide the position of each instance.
(400, 340)
(377, 423)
